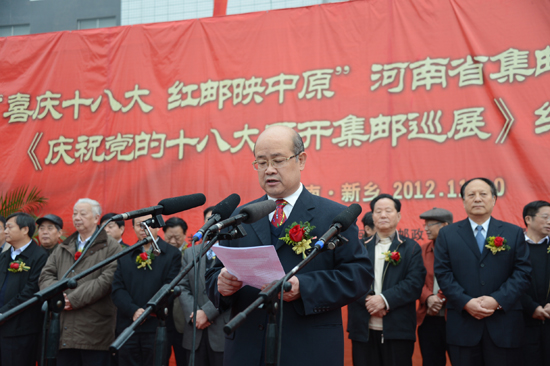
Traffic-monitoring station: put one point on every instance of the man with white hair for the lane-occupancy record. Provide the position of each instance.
(88, 320)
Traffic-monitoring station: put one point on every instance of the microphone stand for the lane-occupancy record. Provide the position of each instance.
(159, 302)
(267, 300)
(56, 302)
(63, 284)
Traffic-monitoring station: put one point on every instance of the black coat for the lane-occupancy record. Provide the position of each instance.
(401, 286)
(20, 288)
(312, 325)
(133, 287)
(538, 294)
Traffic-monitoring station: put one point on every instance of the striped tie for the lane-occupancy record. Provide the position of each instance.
(279, 217)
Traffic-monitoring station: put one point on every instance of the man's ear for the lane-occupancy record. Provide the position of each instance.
(302, 160)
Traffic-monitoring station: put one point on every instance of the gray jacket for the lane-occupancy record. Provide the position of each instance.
(216, 336)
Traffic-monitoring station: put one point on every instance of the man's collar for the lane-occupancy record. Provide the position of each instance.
(391, 237)
(20, 250)
(291, 200)
(485, 225)
(79, 240)
(542, 241)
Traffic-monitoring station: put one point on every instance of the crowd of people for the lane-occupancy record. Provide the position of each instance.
(105, 302)
(478, 290)
(483, 291)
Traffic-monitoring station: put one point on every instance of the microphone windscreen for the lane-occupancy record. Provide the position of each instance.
(256, 211)
(226, 207)
(177, 204)
(348, 216)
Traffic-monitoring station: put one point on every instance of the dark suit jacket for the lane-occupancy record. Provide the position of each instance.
(133, 287)
(401, 286)
(20, 287)
(538, 293)
(463, 273)
(312, 325)
(216, 336)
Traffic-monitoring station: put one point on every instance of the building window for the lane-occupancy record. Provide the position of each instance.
(15, 30)
(96, 23)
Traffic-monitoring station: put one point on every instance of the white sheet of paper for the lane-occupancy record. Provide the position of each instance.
(254, 266)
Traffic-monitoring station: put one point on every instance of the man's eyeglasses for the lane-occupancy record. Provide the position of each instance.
(261, 165)
(432, 224)
(544, 217)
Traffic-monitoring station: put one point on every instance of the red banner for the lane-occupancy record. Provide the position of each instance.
(402, 97)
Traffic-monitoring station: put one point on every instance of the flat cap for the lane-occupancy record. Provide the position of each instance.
(439, 214)
(50, 217)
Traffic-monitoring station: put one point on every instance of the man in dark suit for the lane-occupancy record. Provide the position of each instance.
(175, 231)
(483, 278)
(536, 301)
(133, 287)
(19, 271)
(312, 331)
(430, 314)
(382, 323)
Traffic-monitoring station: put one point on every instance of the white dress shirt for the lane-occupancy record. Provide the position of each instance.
(485, 226)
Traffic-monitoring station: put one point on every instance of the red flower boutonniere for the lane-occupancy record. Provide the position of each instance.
(77, 255)
(144, 260)
(298, 236)
(392, 257)
(497, 244)
(18, 266)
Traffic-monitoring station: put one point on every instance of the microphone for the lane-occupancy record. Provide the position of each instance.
(167, 206)
(182, 203)
(222, 211)
(249, 214)
(340, 223)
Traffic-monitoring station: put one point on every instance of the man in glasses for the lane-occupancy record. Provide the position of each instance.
(312, 332)
(430, 314)
(536, 301)
(482, 266)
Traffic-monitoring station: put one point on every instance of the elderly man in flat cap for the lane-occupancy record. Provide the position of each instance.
(49, 231)
(430, 315)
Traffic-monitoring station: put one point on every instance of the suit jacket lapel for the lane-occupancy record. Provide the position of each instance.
(203, 269)
(29, 252)
(370, 250)
(262, 229)
(468, 236)
(396, 242)
(302, 211)
(495, 227)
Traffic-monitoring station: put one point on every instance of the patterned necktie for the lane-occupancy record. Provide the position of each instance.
(279, 216)
(480, 238)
